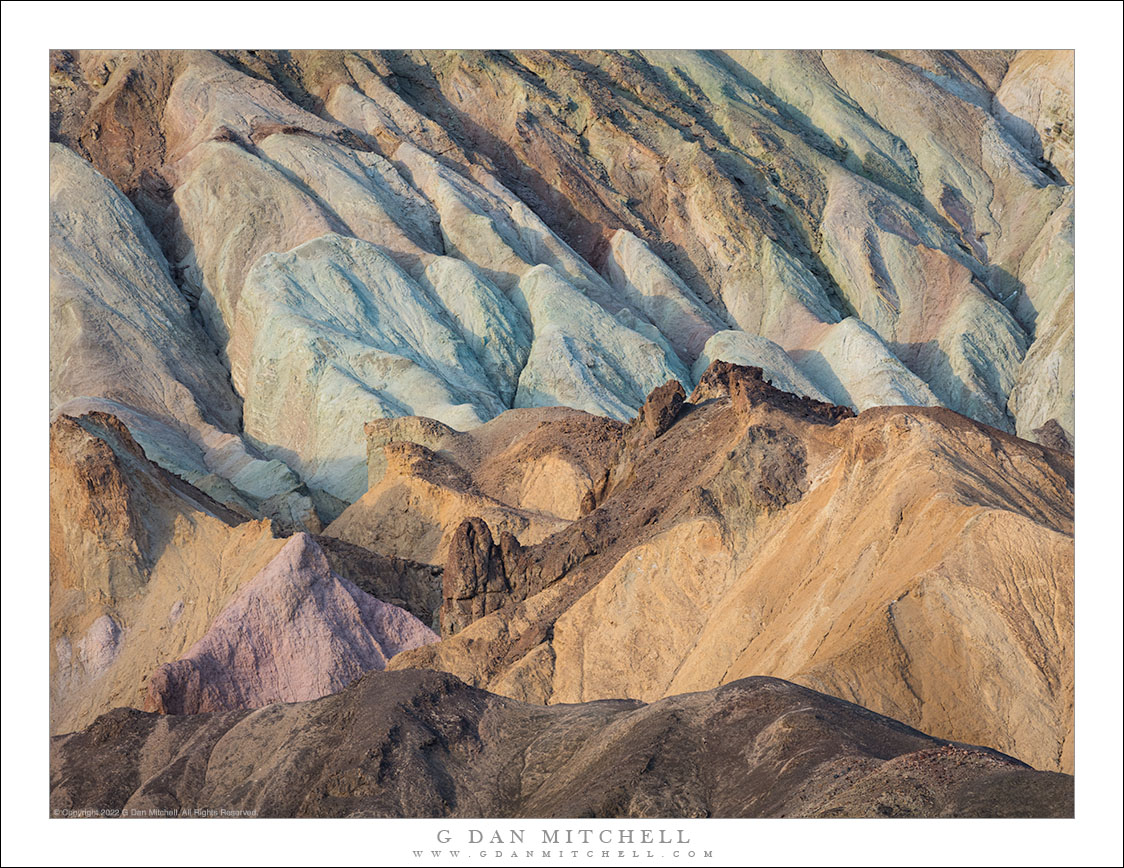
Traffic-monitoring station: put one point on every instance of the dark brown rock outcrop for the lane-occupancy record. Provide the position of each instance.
(423, 744)
(528, 472)
(876, 557)
(746, 386)
(475, 580)
(410, 585)
(253, 253)
(662, 408)
(654, 486)
(1053, 435)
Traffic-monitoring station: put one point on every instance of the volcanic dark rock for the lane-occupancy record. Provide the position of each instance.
(423, 744)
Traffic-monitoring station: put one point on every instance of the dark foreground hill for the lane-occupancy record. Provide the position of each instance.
(424, 744)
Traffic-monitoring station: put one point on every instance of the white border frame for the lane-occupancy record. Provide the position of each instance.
(1092, 29)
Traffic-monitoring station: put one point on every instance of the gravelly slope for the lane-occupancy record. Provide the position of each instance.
(370, 234)
(908, 559)
(348, 345)
(420, 744)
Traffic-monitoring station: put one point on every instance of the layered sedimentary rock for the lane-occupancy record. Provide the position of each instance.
(1034, 102)
(907, 559)
(407, 584)
(335, 332)
(147, 569)
(527, 472)
(296, 631)
(141, 562)
(413, 744)
(444, 310)
(358, 235)
(123, 341)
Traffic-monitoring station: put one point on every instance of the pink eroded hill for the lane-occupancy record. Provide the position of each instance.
(297, 631)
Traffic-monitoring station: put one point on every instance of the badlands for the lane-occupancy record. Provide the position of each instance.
(548, 433)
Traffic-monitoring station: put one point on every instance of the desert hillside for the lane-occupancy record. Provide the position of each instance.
(259, 252)
(563, 433)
